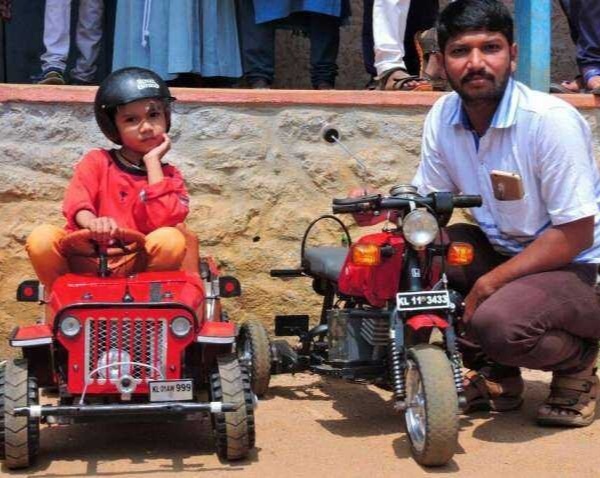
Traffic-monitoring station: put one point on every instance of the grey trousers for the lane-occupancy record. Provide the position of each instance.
(546, 321)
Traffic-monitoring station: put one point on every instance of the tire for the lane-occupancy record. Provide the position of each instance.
(432, 413)
(234, 431)
(254, 351)
(19, 436)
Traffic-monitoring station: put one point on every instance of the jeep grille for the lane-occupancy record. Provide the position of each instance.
(139, 340)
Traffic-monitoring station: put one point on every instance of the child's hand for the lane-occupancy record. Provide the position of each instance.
(156, 154)
(102, 229)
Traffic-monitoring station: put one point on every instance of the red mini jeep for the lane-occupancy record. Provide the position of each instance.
(150, 344)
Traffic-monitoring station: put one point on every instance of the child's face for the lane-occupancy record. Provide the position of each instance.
(141, 124)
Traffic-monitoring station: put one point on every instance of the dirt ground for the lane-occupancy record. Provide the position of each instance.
(308, 427)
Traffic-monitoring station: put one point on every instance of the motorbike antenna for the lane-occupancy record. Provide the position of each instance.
(330, 134)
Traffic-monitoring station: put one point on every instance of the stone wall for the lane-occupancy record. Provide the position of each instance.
(257, 177)
(292, 53)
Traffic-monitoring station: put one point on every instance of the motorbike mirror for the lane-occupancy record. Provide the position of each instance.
(329, 133)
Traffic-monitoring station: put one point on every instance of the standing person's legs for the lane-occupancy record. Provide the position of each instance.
(367, 38)
(324, 34)
(57, 22)
(588, 41)
(421, 16)
(257, 45)
(89, 34)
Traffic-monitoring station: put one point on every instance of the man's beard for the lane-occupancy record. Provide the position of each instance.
(488, 95)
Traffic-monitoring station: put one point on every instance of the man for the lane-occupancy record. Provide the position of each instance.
(529, 299)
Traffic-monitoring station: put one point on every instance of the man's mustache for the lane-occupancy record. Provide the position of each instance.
(477, 75)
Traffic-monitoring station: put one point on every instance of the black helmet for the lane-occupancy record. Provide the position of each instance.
(122, 87)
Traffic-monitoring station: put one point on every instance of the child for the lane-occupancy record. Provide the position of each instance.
(122, 188)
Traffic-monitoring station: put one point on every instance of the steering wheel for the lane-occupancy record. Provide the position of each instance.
(80, 243)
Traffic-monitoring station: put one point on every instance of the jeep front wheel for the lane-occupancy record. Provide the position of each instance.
(19, 435)
(234, 431)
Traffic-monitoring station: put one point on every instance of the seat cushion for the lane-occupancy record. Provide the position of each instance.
(325, 262)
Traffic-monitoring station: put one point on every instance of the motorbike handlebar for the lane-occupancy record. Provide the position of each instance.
(377, 202)
(467, 200)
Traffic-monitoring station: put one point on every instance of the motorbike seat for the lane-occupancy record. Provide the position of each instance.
(326, 262)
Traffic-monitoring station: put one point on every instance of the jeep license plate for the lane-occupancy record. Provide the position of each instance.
(433, 299)
(171, 390)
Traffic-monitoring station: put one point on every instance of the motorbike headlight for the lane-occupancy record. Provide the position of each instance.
(70, 326)
(420, 227)
(181, 326)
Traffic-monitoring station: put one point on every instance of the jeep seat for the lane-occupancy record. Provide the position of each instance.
(326, 262)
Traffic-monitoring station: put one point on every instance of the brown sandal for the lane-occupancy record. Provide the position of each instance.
(575, 395)
(484, 394)
(399, 84)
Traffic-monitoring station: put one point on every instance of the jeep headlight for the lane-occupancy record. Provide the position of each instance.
(70, 326)
(181, 326)
(420, 227)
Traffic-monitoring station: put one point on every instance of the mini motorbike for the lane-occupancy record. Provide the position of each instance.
(388, 316)
(148, 346)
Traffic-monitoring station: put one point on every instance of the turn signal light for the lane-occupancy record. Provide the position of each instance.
(460, 254)
(366, 255)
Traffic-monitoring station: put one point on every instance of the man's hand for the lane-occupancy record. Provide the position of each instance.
(156, 154)
(485, 286)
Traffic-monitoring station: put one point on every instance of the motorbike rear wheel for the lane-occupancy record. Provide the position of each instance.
(254, 351)
(431, 415)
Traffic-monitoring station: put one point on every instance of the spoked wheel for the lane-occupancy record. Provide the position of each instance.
(254, 351)
(234, 431)
(19, 436)
(432, 406)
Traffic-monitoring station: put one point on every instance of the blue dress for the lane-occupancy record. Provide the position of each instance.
(178, 36)
(269, 10)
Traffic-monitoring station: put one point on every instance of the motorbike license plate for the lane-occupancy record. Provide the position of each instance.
(171, 390)
(429, 300)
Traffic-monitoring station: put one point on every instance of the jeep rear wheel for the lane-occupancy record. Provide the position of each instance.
(234, 431)
(254, 351)
(19, 436)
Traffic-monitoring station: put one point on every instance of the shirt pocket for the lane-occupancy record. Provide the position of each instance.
(512, 216)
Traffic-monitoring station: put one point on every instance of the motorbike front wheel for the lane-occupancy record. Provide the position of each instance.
(432, 406)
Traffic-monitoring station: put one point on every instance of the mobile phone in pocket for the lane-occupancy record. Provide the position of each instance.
(507, 186)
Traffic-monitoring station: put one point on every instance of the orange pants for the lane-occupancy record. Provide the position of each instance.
(164, 250)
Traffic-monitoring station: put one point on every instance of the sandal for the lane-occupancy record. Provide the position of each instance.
(575, 396)
(568, 87)
(426, 45)
(422, 84)
(484, 394)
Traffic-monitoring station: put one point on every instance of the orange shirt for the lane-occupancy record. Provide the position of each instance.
(106, 187)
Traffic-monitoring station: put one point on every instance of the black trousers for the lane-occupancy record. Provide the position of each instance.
(257, 43)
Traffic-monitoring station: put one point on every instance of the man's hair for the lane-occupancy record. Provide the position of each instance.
(470, 15)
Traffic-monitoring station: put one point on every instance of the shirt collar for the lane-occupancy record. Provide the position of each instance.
(504, 117)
